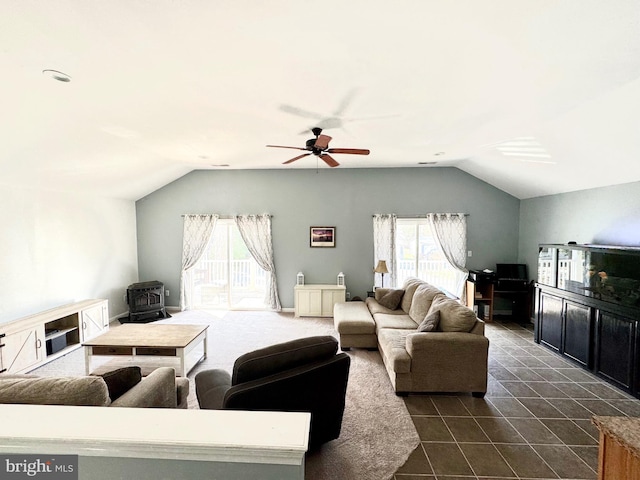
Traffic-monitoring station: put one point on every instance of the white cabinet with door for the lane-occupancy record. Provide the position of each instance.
(22, 349)
(317, 300)
(95, 320)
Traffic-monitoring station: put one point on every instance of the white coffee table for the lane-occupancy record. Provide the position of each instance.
(188, 343)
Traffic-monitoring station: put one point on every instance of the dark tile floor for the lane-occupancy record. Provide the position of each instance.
(533, 423)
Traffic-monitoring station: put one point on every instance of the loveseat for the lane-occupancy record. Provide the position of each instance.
(122, 388)
(428, 341)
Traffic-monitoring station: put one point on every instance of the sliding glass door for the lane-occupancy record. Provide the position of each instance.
(227, 276)
(418, 255)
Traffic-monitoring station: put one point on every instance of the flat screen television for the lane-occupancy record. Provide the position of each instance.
(511, 271)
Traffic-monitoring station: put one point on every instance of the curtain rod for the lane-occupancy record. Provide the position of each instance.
(424, 215)
(223, 217)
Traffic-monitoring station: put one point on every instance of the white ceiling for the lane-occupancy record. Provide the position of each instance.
(162, 87)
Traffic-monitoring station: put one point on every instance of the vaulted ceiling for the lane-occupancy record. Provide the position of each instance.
(534, 97)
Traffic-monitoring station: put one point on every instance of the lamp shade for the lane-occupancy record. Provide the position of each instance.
(381, 267)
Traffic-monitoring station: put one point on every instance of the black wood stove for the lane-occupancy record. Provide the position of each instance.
(146, 302)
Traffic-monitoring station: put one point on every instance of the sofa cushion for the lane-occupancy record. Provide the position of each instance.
(384, 320)
(353, 318)
(88, 390)
(421, 303)
(430, 322)
(391, 299)
(409, 288)
(380, 292)
(122, 380)
(454, 317)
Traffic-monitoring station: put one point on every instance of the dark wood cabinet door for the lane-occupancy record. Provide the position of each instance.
(550, 321)
(577, 332)
(615, 348)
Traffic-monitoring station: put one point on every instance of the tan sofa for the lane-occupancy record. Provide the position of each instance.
(450, 358)
(160, 389)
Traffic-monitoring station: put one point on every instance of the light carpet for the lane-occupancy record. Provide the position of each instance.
(377, 433)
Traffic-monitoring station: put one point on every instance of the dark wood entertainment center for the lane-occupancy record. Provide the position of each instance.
(587, 309)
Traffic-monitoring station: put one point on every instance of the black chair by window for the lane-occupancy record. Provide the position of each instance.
(303, 375)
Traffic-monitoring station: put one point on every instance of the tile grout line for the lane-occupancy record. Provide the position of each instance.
(566, 417)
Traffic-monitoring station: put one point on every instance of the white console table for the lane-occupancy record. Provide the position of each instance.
(153, 443)
(29, 342)
(317, 300)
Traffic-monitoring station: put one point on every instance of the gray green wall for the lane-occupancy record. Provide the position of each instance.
(344, 198)
(604, 216)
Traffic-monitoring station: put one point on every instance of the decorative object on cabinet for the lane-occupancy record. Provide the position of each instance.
(317, 300)
(300, 278)
(322, 236)
(340, 279)
(587, 309)
(381, 268)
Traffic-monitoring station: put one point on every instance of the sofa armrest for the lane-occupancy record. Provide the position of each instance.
(478, 328)
(447, 350)
(157, 390)
(211, 387)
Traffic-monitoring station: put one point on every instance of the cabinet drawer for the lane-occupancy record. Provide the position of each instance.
(112, 350)
(163, 352)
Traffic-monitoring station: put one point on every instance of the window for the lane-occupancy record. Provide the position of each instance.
(418, 255)
(227, 276)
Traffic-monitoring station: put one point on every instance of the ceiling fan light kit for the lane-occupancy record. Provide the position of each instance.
(319, 146)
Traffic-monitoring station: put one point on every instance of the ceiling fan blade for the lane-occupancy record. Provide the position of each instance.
(300, 112)
(322, 142)
(296, 158)
(329, 160)
(344, 103)
(353, 151)
(282, 146)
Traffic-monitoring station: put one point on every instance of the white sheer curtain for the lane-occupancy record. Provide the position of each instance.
(197, 230)
(450, 231)
(384, 246)
(256, 233)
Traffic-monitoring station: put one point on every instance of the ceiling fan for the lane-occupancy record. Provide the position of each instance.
(319, 146)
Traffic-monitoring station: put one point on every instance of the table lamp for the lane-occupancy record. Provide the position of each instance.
(382, 269)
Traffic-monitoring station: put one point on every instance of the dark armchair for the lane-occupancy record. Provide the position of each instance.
(304, 375)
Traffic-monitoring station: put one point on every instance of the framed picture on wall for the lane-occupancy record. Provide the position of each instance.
(322, 237)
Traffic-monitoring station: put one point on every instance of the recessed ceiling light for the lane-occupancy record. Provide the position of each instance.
(55, 74)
